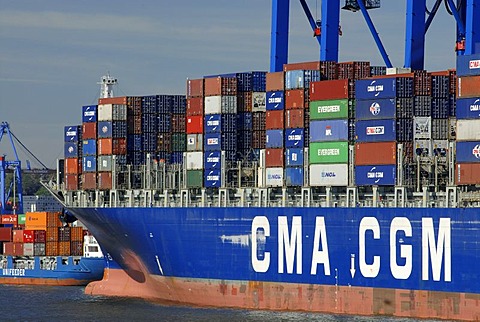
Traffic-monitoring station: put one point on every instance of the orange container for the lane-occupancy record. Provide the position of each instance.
(468, 86)
(5, 234)
(51, 234)
(89, 180)
(71, 182)
(17, 235)
(467, 173)
(275, 81)
(295, 99)
(119, 146)
(194, 106)
(51, 248)
(294, 119)
(104, 180)
(76, 234)
(105, 146)
(64, 248)
(73, 166)
(274, 157)
(9, 219)
(274, 120)
(375, 153)
(89, 130)
(36, 220)
(113, 100)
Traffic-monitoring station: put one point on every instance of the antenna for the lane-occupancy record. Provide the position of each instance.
(106, 86)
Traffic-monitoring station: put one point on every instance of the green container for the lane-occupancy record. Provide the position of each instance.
(194, 178)
(328, 152)
(21, 219)
(179, 142)
(332, 109)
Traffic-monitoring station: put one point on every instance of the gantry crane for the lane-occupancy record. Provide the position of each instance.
(418, 20)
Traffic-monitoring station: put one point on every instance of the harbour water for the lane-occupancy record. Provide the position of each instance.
(38, 303)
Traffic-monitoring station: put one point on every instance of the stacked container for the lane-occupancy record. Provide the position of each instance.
(73, 154)
(383, 119)
(468, 121)
(195, 132)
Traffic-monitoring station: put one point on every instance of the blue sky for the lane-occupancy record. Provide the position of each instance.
(53, 52)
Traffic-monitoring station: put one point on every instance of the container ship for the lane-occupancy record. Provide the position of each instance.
(326, 187)
(37, 249)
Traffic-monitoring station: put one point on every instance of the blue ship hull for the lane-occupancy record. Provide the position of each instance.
(394, 261)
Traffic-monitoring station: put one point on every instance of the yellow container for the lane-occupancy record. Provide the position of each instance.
(36, 220)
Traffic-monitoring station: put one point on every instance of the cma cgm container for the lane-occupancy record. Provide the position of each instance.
(275, 100)
(89, 113)
(328, 152)
(468, 152)
(212, 178)
(212, 160)
(294, 138)
(468, 108)
(294, 157)
(376, 88)
(330, 109)
(375, 109)
(375, 130)
(328, 175)
(468, 65)
(73, 133)
(71, 149)
(379, 175)
(329, 130)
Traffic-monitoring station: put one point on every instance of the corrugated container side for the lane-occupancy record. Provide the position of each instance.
(274, 139)
(294, 176)
(89, 113)
(275, 100)
(375, 130)
(194, 178)
(39, 249)
(71, 149)
(330, 109)
(328, 152)
(468, 86)
(105, 146)
(8, 248)
(468, 108)
(89, 181)
(329, 130)
(274, 120)
(194, 124)
(259, 102)
(51, 248)
(115, 100)
(18, 249)
(375, 175)
(73, 133)
(467, 173)
(375, 153)
(89, 163)
(468, 65)
(468, 152)
(375, 109)
(28, 249)
(275, 81)
(89, 130)
(422, 127)
(295, 99)
(468, 130)
(194, 160)
(274, 177)
(89, 147)
(9, 219)
(40, 236)
(195, 106)
(295, 138)
(195, 87)
(212, 160)
(76, 248)
(294, 118)
(104, 180)
(71, 182)
(72, 166)
(5, 234)
(331, 90)
(194, 142)
(212, 178)
(105, 112)
(274, 157)
(294, 157)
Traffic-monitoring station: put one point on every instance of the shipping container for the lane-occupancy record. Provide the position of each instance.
(89, 147)
(376, 109)
(71, 150)
(325, 175)
(468, 108)
(468, 86)
(375, 130)
(73, 133)
(51, 248)
(244, 102)
(468, 65)
(274, 120)
(422, 127)
(294, 118)
(105, 146)
(72, 166)
(274, 157)
(245, 121)
(64, 248)
(274, 177)
(194, 124)
(294, 138)
(89, 163)
(468, 152)
(71, 182)
(76, 248)
(28, 249)
(21, 219)
(40, 236)
(194, 160)
(28, 236)
(212, 178)
(328, 152)
(212, 142)
(294, 157)
(353, 70)
(274, 139)
(375, 175)
(294, 176)
(179, 142)
(195, 106)
(8, 248)
(467, 173)
(194, 178)
(51, 234)
(212, 160)
(300, 79)
(195, 87)
(104, 180)
(39, 249)
(259, 102)
(119, 146)
(9, 219)
(275, 100)
(194, 142)
(295, 99)
(5, 234)
(258, 139)
(332, 90)
(376, 153)
(440, 129)
(89, 130)
(76, 234)
(275, 81)
(89, 113)
(116, 100)
(468, 130)
(164, 142)
(220, 86)
(89, 181)
(329, 130)
(379, 87)
(331, 109)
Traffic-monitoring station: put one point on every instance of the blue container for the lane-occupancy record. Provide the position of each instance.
(164, 123)
(212, 160)
(244, 140)
(89, 163)
(165, 103)
(375, 109)
(212, 142)
(105, 129)
(468, 108)
(294, 176)
(73, 133)
(294, 157)
(296, 79)
(229, 143)
(119, 129)
(229, 122)
(212, 123)
(383, 88)
(134, 142)
(259, 81)
(89, 147)
(149, 142)
(468, 151)
(179, 104)
(375, 131)
(380, 175)
(329, 130)
(136, 157)
(71, 150)
(294, 138)
(176, 158)
(89, 113)
(150, 104)
(468, 65)
(149, 123)
(274, 139)
(245, 121)
(275, 100)
(440, 108)
(212, 178)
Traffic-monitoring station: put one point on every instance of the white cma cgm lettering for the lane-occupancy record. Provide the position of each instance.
(274, 100)
(290, 247)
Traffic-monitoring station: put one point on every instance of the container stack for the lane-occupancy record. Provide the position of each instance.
(468, 121)
(383, 119)
(331, 113)
(195, 132)
(73, 154)
(180, 144)
(40, 234)
(89, 150)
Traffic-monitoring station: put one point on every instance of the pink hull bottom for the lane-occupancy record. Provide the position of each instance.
(292, 297)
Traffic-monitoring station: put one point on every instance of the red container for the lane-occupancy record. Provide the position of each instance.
(76, 248)
(294, 119)
(195, 87)
(73, 166)
(105, 146)
(468, 86)
(195, 106)
(51, 234)
(274, 120)
(9, 219)
(104, 180)
(164, 142)
(310, 65)
(40, 236)
(422, 83)
(220, 86)
(275, 81)
(178, 123)
(467, 173)
(76, 234)
(274, 158)
(259, 139)
(51, 248)
(89, 130)
(119, 146)
(71, 182)
(89, 180)
(328, 69)
(331, 90)
(17, 235)
(295, 98)
(353, 70)
(375, 153)
(258, 121)
(28, 236)
(17, 249)
(113, 100)
(8, 248)
(5, 234)
(195, 124)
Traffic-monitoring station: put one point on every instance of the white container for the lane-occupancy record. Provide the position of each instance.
(422, 127)
(194, 142)
(468, 130)
(105, 112)
(398, 70)
(261, 177)
(194, 160)
(213, 105)
(229, 104)
(274, 177)
(328, 175)
(28, 249)
(259, 102)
